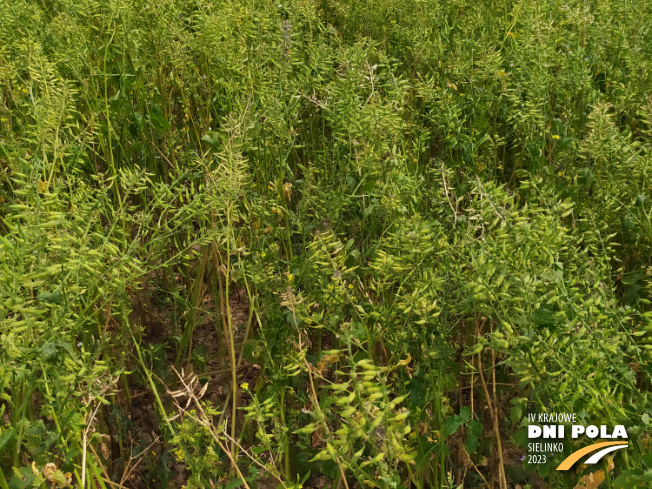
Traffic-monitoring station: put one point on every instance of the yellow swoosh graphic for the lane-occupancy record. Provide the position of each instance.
(575, 456)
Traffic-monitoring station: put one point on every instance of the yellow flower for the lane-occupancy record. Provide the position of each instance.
(287, 190)
(245, 385)
(263, 254)
(290, 277)
(350, 286)
(555, 136)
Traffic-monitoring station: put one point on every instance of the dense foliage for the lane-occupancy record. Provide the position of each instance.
(322, 242)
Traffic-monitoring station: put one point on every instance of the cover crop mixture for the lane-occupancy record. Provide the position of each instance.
(322, 243)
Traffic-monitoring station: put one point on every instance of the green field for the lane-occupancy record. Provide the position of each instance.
(323, 243)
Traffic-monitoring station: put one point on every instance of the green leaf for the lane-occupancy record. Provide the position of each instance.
(51, 297)
(212, 139)
(474, 429)
(59, 477)
(451, 425)
(49, 350)
(160, 123)
(234, 483)
(23, 478)
(631, 479)
(6, 436)
(515, 413)
(646, 457)
(465, 414)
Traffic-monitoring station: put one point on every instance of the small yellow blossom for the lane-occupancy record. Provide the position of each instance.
(263, 254)
(290, 277)
(555, 136)
(287, 190)
(245, 386)
(350, 286)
